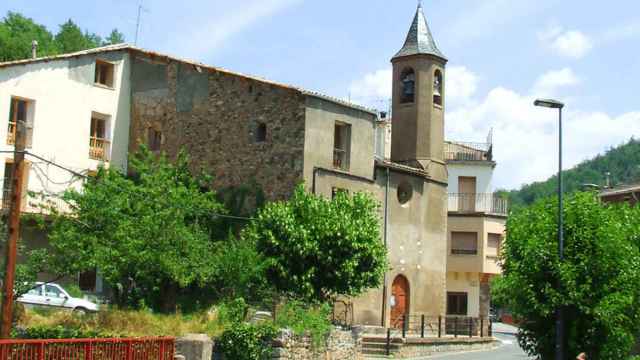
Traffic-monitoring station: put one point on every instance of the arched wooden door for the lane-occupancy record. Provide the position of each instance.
(399, 300)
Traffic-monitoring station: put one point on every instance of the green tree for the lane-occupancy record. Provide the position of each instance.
(316, 249)
(115, 37)
(70, 38)
(149, 234)
(597, 284)
(16, 34)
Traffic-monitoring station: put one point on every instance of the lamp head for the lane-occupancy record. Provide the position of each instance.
(549, 103)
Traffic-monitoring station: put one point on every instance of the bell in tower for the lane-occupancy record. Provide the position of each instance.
(418, 100)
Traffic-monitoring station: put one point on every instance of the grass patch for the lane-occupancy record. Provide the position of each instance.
(126, 323)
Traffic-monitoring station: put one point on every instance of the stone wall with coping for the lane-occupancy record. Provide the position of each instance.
(424, 347)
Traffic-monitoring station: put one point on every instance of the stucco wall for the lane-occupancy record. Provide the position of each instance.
(469, 283)
(482, 171)
(64, 98)
(320, 120)
(416, 241)
(214, 115)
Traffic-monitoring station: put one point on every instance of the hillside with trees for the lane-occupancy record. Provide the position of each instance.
(622, 163)
(17, 32)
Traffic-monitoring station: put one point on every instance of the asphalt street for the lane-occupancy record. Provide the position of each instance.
(508, 350)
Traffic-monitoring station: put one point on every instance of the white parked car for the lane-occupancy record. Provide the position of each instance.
(53, 295)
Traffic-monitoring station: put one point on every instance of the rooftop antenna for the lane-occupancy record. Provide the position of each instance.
(140, 10)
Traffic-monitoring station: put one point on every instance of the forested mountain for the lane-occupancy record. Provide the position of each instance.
(17, 32)
(622, 162)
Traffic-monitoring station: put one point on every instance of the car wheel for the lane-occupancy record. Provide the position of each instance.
(80, 311)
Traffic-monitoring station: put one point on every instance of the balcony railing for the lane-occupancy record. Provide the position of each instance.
(37, 203)
(340, 159)
(99, 148)
(467, 151)
(478, 203)
(11, 133)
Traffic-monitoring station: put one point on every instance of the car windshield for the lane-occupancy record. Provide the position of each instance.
(53, 291)
(35, 291)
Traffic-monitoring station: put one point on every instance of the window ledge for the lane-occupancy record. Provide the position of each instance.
(463, 255)
(103, 86)
(437, 106)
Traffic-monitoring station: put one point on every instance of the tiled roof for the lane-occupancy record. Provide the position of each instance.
(419, 39)
(401, 167)
(130, 47)
(622, 189)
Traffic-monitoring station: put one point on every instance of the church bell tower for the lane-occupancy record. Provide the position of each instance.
(418, 101)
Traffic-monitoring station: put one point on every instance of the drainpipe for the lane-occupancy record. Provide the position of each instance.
(386, 222)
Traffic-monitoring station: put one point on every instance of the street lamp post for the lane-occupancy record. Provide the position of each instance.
(554, 104)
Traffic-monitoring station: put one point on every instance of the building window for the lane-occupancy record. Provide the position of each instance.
(464, 243)
(20, 110)
(261, 132)
(457, 303)
(437, 88)
(336, 190)
(405, 192)
(104, 73)
(342, 146)
(154, 139)
(408, 81)
(98, 139)
(494, 243)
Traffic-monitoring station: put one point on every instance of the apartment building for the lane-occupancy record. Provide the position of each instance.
(475, 227)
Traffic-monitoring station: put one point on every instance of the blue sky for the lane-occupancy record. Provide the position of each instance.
(503, 53)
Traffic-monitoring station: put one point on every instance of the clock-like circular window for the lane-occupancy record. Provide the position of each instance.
(405, 192)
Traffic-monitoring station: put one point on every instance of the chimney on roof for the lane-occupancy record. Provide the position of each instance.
(34, 49)
(608, 183)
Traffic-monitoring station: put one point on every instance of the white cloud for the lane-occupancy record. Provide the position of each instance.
(525, 137)
(572, 43)
(209, 31)
(550, 82)
(374, 89)
(460, 84)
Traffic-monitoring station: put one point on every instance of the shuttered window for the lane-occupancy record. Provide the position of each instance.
(456, 303)
(493, 245)
(464, 243)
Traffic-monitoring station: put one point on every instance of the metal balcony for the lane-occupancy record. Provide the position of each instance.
(488, 203)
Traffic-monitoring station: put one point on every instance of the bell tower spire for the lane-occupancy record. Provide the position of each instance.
(418, 100)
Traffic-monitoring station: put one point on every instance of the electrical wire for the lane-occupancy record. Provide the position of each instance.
(77, 174)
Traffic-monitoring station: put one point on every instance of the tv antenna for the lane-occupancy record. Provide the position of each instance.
(140, 10)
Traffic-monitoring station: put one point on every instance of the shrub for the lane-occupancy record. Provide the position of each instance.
(244, 341)
(57, 332)
(232, 312)
(312, 321)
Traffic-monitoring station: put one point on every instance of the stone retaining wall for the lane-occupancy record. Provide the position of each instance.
(425, 347)
(341, 345)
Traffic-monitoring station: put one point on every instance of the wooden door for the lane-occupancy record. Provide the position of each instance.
(400, 300)
(466, 194)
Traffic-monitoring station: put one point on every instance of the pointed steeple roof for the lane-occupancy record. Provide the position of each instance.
(419, 39)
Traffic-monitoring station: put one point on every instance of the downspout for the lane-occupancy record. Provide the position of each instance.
(386, 222)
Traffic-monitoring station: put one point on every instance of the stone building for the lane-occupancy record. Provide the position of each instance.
(246, 130)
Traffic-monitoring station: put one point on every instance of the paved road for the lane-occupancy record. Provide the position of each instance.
(509, 350)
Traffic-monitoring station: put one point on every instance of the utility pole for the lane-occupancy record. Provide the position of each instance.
(11, 250)
(138, 24)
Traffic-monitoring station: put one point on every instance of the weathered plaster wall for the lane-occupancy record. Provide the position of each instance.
(64, 96)
(416, 241)
(214, 115)
(469, 283)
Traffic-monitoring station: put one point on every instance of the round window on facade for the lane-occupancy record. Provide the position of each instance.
(405, 192)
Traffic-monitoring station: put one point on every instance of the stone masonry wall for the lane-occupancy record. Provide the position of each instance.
(341, 345)
(214, 115)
